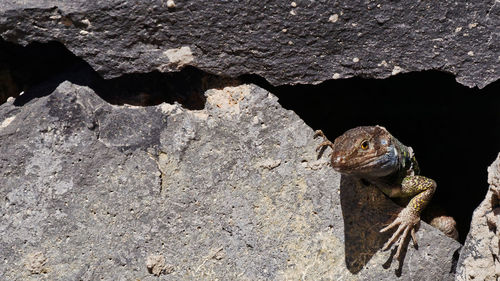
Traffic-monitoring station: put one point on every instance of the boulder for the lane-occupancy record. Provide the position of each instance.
(479, 258)
(233, 191)
(285, 42)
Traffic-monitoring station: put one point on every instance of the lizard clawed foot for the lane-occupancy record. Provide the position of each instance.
(322, 146)
(319, 133)
(407, 220)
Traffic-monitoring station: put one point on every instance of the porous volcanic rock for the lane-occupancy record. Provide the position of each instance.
(285, 42)
(234, 191)
(479, 258)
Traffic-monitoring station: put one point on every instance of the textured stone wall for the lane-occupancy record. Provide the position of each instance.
(286, 42)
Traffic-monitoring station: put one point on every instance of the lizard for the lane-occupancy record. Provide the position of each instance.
(371, 153)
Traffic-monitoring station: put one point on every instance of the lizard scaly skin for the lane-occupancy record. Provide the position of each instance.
(373, 154)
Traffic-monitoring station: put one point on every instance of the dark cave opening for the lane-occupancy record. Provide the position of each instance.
(453, 129)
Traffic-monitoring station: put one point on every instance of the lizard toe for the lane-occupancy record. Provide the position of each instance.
(414, 237)
(318, 133)
(394, 237)
(396, 222)
(401, 241)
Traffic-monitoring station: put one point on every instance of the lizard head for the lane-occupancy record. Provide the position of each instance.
(365, 151)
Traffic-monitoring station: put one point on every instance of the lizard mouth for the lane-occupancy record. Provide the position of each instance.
(376, 165)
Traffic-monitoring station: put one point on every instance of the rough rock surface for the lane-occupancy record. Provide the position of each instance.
(231, 192)
(480, 256)
(285, 42)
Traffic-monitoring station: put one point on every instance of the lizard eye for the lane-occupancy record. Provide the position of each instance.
(364, 145)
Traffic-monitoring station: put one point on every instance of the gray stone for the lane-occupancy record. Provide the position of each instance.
(307, 42)
(479, 258)
(230, 192)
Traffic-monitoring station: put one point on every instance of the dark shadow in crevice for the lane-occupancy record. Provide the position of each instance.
(37, 70)
(454, 263)
(186, 87)
(453, 129)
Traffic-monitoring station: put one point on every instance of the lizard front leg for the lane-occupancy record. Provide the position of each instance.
(322, 146)
(422, 189)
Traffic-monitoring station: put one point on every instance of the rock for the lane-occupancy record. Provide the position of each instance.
(231, 192)
(156, 265)
(479, 258)
(35, 263)
(307, 43)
